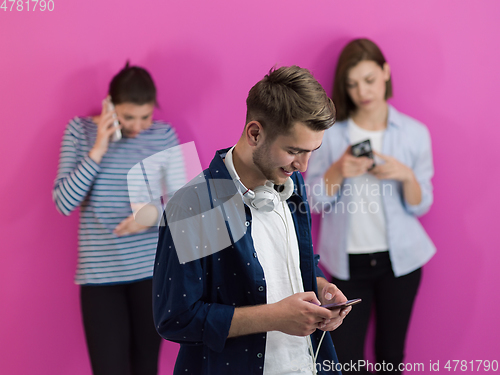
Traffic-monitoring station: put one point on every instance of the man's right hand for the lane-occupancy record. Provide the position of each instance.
(300, 314)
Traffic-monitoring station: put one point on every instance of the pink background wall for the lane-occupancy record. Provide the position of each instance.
(204, 56)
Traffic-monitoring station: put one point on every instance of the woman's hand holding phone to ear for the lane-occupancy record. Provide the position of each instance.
(105, 130)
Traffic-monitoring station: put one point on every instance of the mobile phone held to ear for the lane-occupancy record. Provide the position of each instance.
(341, 305)
(363, 148)
(117, 135)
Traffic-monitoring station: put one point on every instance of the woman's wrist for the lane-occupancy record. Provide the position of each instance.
(409, 176)
(411, 189)
(96, 155)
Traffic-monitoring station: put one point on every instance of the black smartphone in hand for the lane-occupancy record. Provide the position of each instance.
(363, 148)
(341, 305)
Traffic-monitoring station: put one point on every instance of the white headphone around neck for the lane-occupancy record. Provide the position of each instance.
(263, 198)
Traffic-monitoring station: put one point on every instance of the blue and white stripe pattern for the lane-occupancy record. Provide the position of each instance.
(100, 190)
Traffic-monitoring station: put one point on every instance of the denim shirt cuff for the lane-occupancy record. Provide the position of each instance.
(217, 326)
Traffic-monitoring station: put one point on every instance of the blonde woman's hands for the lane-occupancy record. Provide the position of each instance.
(352, 166)
(345, 167)
(391, 169)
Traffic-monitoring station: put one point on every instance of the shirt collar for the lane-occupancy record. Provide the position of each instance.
(232, 171)
(218, 174)
(393, 117)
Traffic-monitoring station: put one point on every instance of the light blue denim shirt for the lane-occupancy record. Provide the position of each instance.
(410, 247)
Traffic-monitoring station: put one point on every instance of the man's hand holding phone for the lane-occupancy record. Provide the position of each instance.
(301, 314)
(329, 294)
(105, 129)
(341, 305)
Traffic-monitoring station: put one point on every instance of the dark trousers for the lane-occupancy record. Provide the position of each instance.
(373, 280)
(119, 328)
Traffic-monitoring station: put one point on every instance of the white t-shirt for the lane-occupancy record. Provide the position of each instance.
(275, 242)
(367, 226)
(279, 258)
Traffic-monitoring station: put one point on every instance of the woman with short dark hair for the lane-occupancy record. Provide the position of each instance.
(115, 252)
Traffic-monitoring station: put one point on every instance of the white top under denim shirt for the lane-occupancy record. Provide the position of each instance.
(367, 224)
(410, 247)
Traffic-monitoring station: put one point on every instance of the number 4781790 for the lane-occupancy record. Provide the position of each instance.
(27, 5)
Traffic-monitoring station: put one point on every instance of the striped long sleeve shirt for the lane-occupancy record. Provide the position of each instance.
(101, 192)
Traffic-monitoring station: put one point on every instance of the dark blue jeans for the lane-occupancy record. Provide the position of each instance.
(373, 280)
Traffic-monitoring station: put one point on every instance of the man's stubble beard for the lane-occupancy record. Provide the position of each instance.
(260, 158)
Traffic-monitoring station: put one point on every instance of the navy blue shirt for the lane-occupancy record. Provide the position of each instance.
(194, 301)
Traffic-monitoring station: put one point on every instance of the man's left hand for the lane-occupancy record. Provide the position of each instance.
(329, 293)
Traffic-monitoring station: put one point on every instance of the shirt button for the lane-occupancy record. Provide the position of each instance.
(259, 355)
(373, 262)
(255, 255)
(261, 288)
(247, 223)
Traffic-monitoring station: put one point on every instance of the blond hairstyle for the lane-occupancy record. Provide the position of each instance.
(288, 95)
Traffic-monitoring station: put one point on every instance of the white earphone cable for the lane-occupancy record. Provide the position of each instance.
(288, 251)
